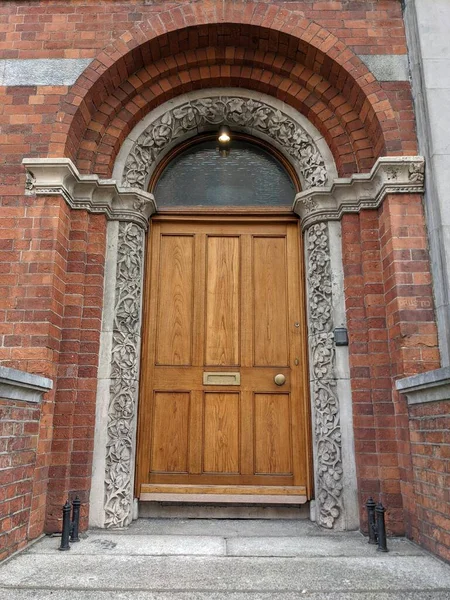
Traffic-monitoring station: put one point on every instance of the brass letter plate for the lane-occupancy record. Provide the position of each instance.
(221, 378)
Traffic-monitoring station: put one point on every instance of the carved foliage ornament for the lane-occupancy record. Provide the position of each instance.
(327, 430)
(124, 376)
(300, 146)
(234, 111)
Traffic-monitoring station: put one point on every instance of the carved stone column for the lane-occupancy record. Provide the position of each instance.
(325, 401)
(124, 376)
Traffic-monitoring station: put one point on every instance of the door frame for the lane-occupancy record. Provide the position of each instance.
(336, 503)
(218, 216)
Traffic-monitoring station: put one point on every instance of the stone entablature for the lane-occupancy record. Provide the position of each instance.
(389, 175)
(59, 176)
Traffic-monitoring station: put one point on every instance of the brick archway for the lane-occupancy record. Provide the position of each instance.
(263, 48)
(258, 46)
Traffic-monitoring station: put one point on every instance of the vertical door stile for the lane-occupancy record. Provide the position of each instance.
(196, 416)
(304, 374)
(296, 327)
(146, 393)
(247, 324)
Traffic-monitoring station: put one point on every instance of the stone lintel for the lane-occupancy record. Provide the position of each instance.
(389, 175)
(59, 176)
(431, 386)
(20, 385)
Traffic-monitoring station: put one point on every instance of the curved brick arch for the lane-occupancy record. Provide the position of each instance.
(332, 115)
(276, 30)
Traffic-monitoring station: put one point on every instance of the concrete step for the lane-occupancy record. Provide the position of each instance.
(99, 544)
(219, 574)
(170, 559)
(220, 527)
(164, 510)
(20, 594)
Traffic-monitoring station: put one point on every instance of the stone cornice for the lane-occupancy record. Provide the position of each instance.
(51, 176)
(20, 385)
(389, 175)
(431, 386)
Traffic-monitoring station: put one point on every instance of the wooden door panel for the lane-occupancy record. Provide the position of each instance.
(170, 432)
(222, 301)
(252, 379)
(272, 427)
(223, 297)
(221, 432)
(270, 302)
(231, 479)
(175, 282)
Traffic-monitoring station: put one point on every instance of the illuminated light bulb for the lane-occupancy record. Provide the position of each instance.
(224, 135)
(224, 138)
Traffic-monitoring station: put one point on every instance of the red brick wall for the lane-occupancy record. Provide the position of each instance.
(392, 334)
(52, 259)
(430, 455)
(19, 427)
(31, 307)
(74, 415)
(50, 316)
(370, 366)
(313, 77)
(410, 316)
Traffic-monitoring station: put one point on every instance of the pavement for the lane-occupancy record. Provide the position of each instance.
(182, 559)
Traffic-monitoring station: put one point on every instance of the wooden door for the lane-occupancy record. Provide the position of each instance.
(224, 315)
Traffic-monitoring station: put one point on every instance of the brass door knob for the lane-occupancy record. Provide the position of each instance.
(279, 379)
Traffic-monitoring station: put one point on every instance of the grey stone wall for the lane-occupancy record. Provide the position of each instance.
(427, 25)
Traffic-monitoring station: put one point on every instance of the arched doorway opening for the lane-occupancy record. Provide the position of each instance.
(252, 174)
(224, 403)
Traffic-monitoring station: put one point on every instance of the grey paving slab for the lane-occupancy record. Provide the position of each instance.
(133, 595)
(312, 546)
(223, 527)
(135, 545)
(379, 573)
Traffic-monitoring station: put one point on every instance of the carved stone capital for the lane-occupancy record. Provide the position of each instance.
(59, 176)
(389, 175)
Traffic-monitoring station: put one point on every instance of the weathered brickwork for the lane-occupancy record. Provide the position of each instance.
(392, 334)
(430, 457)
(52, 259)
(19, 428)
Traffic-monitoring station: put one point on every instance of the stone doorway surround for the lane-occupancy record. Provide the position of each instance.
(128, 207)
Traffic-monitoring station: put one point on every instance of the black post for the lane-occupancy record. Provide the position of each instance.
(65, 527)
(370, 506)
(75, 520)
(380, 510)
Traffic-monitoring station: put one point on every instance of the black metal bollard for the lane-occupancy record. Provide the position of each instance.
(65, 527)
(381, 528)
(370, 506)
(75, 525)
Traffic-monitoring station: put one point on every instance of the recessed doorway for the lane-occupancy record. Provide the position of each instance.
(224, 404)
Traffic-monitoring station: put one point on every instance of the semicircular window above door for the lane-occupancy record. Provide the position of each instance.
(248, 176)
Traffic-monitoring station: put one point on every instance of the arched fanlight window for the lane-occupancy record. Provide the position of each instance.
(198, 175)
